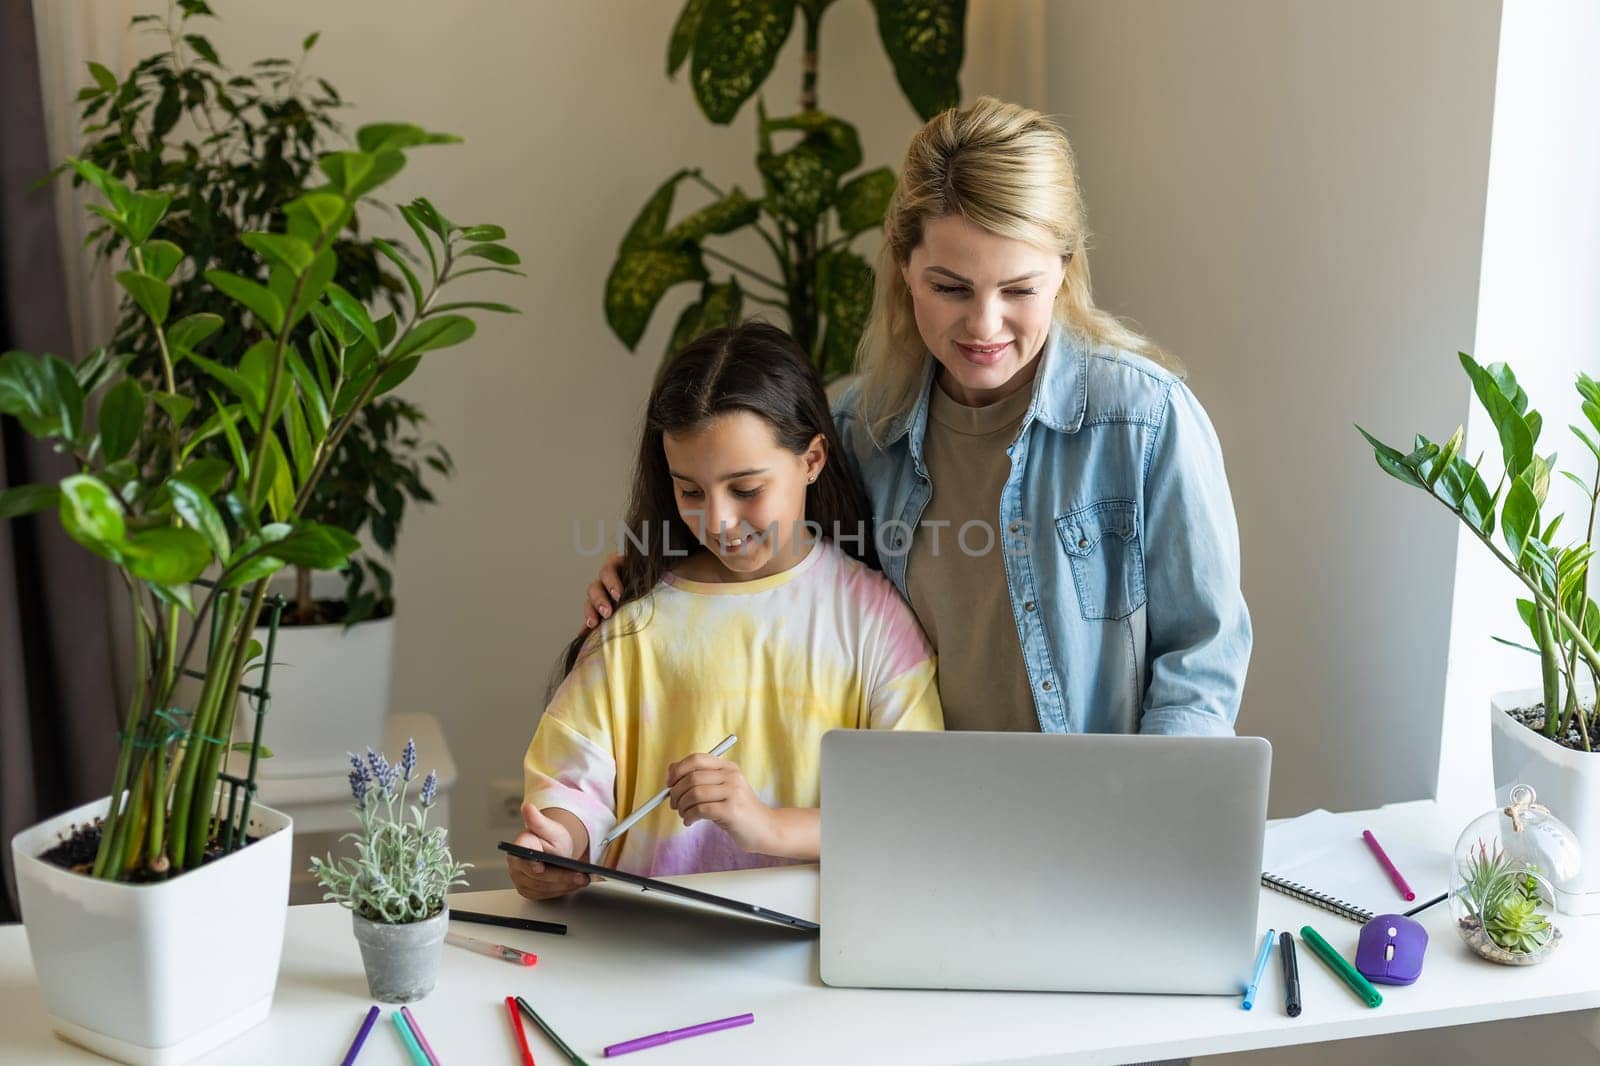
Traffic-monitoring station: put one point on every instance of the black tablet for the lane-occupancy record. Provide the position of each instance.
(650, 884)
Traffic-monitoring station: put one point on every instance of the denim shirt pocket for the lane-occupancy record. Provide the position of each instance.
(1102, 541)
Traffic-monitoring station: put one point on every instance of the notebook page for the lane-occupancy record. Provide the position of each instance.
(1325, 852)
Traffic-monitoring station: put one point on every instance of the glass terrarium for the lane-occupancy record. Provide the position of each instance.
(1502, 891)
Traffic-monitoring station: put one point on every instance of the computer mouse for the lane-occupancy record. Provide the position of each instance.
(1390, 949)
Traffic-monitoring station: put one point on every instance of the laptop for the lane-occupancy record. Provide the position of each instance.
(1084, 863)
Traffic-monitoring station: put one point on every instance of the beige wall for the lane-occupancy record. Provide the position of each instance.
(1290, 196)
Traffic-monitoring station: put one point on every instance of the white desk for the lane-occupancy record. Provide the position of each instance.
(631, 967)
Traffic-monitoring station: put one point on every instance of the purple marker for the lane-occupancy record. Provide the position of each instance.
(657, 1039)
(355, 1046)
(1388, 867)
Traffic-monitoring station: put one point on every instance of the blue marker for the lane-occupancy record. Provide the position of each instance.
(1261, 968)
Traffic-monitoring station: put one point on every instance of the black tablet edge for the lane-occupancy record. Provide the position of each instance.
(650, 884)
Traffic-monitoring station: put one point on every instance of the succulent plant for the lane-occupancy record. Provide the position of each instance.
(1503, 897)
(1518, 924)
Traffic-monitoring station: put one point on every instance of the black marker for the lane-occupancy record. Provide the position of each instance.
(1291, 975)
(532, 925)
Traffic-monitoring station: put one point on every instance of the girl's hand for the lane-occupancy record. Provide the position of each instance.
(604, 592)
(536, 880)
(708, 789)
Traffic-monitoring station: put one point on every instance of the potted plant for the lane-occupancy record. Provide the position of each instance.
(169, 872)
(396, 883)
(1542, 737)
(233, 147)
(809, 213)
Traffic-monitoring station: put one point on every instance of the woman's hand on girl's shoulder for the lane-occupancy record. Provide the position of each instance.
(604, 592)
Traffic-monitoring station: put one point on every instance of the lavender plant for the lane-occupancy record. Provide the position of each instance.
(401, 869)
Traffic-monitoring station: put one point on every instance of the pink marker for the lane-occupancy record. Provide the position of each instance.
(1388, 867)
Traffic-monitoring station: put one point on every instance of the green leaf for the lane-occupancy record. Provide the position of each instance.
(252, 295)
(1519, 516)
(484, 233)
(433, 333)
(161, 258)
(314, 546)
(144, 213)
(312, 284)
(166, 555)
(208, 474)
(734, 211)
(121, 418)
(862, 200)
(291, 253)
(103, 77)
(117, 194)
(1391, 461)
(388, 251)
(1500, 395)
(637, 282)
(244, 383)
(314, 214)
(28, 499)
(735, 45)
(413, 216)
(189, 332)
(381, 137)
(394, 376)
(66, 396)
(357, 173)
(651, 222)
(241, 459)
(844, 285)
(474, 305)
(925, 40)
(301, 450)
(277, 480)
(495, 253)
(92, 515)
(719, 305)
(312, 394)
(801, 182)
(153, 295)
(194, 506)
(683, 32)
(202, 48)
(176, 406)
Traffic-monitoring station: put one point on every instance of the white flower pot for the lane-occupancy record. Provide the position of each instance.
(330, 695)
(1566, 781)
(156, 973)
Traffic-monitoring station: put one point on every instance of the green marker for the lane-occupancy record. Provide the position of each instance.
(415, 1049)
(571, 1055)
(1338, 964)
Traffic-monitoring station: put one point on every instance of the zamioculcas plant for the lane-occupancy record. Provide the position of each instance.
(1564, 622)
(810, 210)
(150, 499)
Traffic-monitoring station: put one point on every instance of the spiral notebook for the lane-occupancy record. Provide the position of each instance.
(1320, 858)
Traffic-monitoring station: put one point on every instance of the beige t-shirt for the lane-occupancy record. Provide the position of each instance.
(957, 583)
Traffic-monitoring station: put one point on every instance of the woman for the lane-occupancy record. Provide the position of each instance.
(1049, 498)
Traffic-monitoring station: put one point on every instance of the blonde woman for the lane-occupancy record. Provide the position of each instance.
(1046, 493)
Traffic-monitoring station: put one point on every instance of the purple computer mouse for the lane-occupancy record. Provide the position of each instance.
(1390, 949)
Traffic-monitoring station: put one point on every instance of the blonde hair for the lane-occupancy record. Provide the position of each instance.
(1005, 168)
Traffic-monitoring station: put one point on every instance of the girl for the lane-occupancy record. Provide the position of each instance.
(749, 605)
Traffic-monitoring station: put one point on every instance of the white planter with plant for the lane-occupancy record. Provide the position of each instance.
(1543, 737)
(138, 972)
(166, 492)
(395, 885)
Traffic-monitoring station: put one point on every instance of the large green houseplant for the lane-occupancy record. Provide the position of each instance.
(233, 147)
(150, 499)
(809, 212)
(1545, 737)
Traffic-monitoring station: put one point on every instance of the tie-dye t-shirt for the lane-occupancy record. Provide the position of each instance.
(779, 661)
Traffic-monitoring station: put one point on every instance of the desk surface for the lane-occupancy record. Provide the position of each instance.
(635, 966)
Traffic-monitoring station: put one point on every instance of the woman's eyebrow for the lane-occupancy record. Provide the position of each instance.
(968, 281)
(726, 477)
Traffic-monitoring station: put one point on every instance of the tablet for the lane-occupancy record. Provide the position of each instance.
(650, 884)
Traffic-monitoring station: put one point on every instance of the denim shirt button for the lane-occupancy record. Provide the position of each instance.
(1015, 527)
(1083, 542)
(1028, 606)
(1047, 686)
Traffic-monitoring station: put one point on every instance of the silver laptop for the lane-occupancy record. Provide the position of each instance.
(1082, 863)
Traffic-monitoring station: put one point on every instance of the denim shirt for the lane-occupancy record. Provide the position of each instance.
(1119, 540)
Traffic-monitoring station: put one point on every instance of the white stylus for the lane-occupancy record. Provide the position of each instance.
(655, 801)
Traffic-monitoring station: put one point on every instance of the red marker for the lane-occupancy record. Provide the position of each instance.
(516, 1027)
(1394, 875)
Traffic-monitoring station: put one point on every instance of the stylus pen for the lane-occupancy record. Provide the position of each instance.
(1291, 974)
(655, 801)
(532, 925)
(1261, 968)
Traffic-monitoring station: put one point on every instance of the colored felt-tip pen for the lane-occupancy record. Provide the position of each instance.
(1261, 968)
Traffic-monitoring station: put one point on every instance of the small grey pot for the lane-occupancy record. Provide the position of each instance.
(402, 961)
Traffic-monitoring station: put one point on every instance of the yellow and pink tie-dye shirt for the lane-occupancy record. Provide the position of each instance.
(779, 661)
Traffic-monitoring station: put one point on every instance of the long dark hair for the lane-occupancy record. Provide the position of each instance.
(751, 367)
